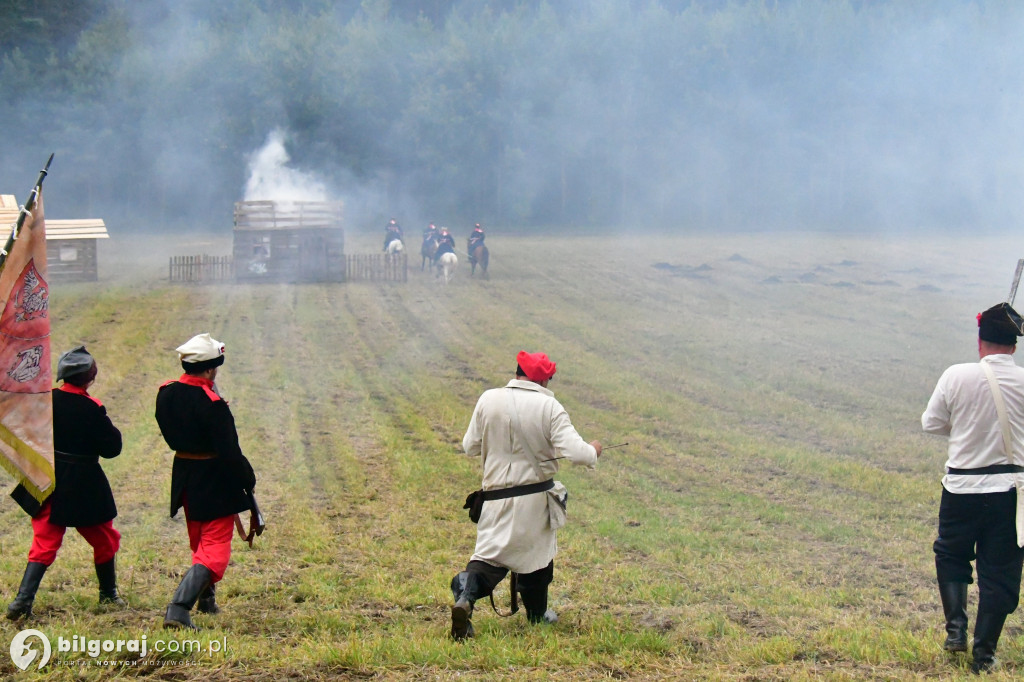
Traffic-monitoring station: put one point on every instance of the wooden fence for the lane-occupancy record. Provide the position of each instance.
(201, 268)
(377, 267)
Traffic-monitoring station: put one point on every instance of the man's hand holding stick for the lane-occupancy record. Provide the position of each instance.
(597, 446)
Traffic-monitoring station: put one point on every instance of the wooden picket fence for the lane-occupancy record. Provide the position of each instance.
(377, 267)
(201, 268)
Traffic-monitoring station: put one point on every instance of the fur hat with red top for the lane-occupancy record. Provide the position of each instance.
(535, 366)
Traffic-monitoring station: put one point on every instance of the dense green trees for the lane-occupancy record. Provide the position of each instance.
(745, 113)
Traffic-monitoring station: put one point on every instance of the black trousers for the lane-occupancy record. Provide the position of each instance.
(982, 527)
(482, 578)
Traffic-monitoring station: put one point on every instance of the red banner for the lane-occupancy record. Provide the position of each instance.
(26, 411)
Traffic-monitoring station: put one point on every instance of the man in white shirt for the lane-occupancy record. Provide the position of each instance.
(521, 432)
(979, 495)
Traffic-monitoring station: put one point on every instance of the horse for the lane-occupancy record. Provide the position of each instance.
(428, 250)
(479, 255)
(447, 264)
(395, 246)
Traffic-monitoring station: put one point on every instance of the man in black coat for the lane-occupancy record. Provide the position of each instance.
(445, 244)
(211, 478)
(82, 499)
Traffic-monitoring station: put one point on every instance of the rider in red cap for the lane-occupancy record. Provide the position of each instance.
(476, 238)
(445, 244)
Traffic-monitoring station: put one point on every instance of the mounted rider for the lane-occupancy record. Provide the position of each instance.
(445, 244)
(392, 231)
(476, 238)
(430, 232)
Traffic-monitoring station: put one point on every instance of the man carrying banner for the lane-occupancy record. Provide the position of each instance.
(521, 432)
(211, 478)
(82, 499)
(980, 407)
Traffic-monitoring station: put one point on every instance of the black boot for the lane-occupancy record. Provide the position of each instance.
(987, 629)
(192, 585)
(462, 611)
(107, 576)
(536, 603)
(22, 604)
(208, 601)
(954, 606)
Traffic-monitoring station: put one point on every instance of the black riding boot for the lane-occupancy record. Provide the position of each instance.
(987, 629)
(192, 585)
(106, 573)
(536, 603)
(954, 606)
(22, 604)
(208, 601)
(466, 590)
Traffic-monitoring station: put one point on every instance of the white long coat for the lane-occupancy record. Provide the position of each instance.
(515, 532)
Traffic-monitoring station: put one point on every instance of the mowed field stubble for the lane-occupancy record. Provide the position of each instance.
(771, 518)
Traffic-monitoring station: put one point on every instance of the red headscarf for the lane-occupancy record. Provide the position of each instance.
(537, 366)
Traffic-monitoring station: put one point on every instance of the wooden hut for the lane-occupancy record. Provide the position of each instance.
(297, 241)
(70, 244)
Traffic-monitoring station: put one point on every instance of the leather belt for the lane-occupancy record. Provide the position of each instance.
(993, 469)
(72, 458)
(194, 455)
(519, 490)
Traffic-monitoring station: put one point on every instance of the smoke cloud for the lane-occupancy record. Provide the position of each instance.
(270, 178)
(838, 115)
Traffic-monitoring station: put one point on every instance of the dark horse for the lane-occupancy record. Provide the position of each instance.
(428, 250)
(479, 256)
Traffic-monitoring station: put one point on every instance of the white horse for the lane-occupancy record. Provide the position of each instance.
(395, 246)
(448, 262)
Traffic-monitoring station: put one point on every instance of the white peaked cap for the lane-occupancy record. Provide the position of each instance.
(200, 348)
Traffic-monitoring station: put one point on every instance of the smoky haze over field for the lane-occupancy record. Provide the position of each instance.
(806, 114)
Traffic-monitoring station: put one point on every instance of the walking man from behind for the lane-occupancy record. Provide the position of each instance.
(82, 499)
(211, 478)
(521, 433)
(980, 407)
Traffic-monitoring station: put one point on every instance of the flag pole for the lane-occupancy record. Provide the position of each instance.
(25, 210)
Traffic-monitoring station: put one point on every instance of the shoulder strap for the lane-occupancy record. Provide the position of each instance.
(997, 396)
(516, 428)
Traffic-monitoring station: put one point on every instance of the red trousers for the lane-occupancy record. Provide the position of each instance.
(211, 543)
(47, 539)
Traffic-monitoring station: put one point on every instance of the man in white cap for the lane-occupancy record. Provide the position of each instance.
(521, 432)
(211, 478)
(82, 499)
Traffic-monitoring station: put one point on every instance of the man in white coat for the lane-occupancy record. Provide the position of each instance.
(979, 491)
(521, 432)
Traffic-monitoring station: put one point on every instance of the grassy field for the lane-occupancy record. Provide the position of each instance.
(771, 519)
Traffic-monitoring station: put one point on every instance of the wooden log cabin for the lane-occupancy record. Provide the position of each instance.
(296, 241)
(71, 245)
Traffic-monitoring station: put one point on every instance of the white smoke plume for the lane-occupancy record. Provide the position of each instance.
(270, 178)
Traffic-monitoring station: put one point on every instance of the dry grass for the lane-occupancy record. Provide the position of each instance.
(772, 518)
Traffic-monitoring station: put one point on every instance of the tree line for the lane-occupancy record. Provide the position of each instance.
(736, 113)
